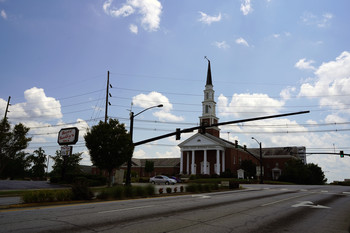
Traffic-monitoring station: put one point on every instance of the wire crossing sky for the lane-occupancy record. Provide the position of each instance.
(267, 57)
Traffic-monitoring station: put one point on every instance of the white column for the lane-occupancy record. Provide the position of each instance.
(223, 160)
(218, 161)
(205, 162)
(188, 163)
(192, 165)
(181, 162)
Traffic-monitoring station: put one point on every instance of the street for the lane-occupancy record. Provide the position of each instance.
(258, 208)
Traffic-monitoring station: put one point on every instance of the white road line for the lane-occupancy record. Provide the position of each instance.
(271, 203)
(131, 208)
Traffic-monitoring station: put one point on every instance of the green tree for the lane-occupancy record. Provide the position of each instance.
(71, 164)
(317, 175)
(149, 166)
(109, 145)
(12, 142)
(38, 159)
(249, 167)
(18, 166)
(297, 172)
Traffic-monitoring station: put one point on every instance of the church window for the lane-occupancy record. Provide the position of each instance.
(207, 96)
(206, 108)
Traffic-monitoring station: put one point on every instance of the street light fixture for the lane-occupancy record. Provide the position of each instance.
(132, 116)
(261, 162)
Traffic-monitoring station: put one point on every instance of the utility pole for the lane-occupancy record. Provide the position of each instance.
(7, 107)
(107, 94)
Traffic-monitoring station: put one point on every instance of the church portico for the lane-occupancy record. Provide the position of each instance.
(210, 160)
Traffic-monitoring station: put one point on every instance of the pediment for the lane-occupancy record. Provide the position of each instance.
(199, 140)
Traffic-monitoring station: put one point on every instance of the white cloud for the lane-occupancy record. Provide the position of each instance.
(173, 153)
(37, 105)
(320, 21)
(246, 7)
(149, 10)
(303, 64)
(153, 99)
(207, 19)
(221, 45)
(248, 105)
(3, 14)
(242, 41)
(133, 28)
(331, 83)
(287, 92)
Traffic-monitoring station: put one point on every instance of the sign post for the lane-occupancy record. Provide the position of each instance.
(66, 137)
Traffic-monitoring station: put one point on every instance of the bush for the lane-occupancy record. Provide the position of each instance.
(129, 192)
(63, 195)
(46, 196)
(118, 192)
(150, 190)
(160, 190)
(81, 190)
(140, 191)
(168, 190)
(175, 189)
(181, 188)
(233, 185)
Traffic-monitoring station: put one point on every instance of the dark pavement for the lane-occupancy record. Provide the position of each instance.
(23, 184)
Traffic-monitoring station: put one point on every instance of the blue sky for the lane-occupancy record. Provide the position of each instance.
(267, 57)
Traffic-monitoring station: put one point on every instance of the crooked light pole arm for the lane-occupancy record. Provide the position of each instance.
(157, 106)
(132, 116)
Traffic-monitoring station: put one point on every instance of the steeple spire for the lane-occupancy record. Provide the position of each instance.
(208, 104)
(209, 82)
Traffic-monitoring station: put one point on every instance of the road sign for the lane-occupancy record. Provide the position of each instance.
(66, 150)
(68, 136)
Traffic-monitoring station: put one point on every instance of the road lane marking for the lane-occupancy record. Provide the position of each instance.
(286, 199)
(311, 205)
(346, 193)
(131, 208)
(201, 196)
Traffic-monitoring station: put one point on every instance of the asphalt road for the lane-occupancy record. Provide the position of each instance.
(260, 208)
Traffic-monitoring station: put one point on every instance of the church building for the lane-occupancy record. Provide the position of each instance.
(207, 153)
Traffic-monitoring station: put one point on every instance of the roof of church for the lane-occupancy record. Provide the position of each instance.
(209, 81)
(159, 162)
(219, 141)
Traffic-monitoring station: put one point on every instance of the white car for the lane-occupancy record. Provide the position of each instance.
(161, 180)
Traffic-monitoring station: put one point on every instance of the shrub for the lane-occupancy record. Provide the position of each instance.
(118, 192)
(63, 195)
(193, 188)
(150, 190)
(46, 196)
(168, 190)
(103, 195)
(206, 188)
(81, 190)
(175, 189)
(160, 190)
(140, 191)
(129, 191)
(233, 185)
(181, 188)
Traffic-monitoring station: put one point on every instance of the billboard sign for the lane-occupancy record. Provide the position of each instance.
(68, 136)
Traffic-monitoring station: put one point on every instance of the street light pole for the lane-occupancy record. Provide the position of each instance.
(261, 162)
(132, 116)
